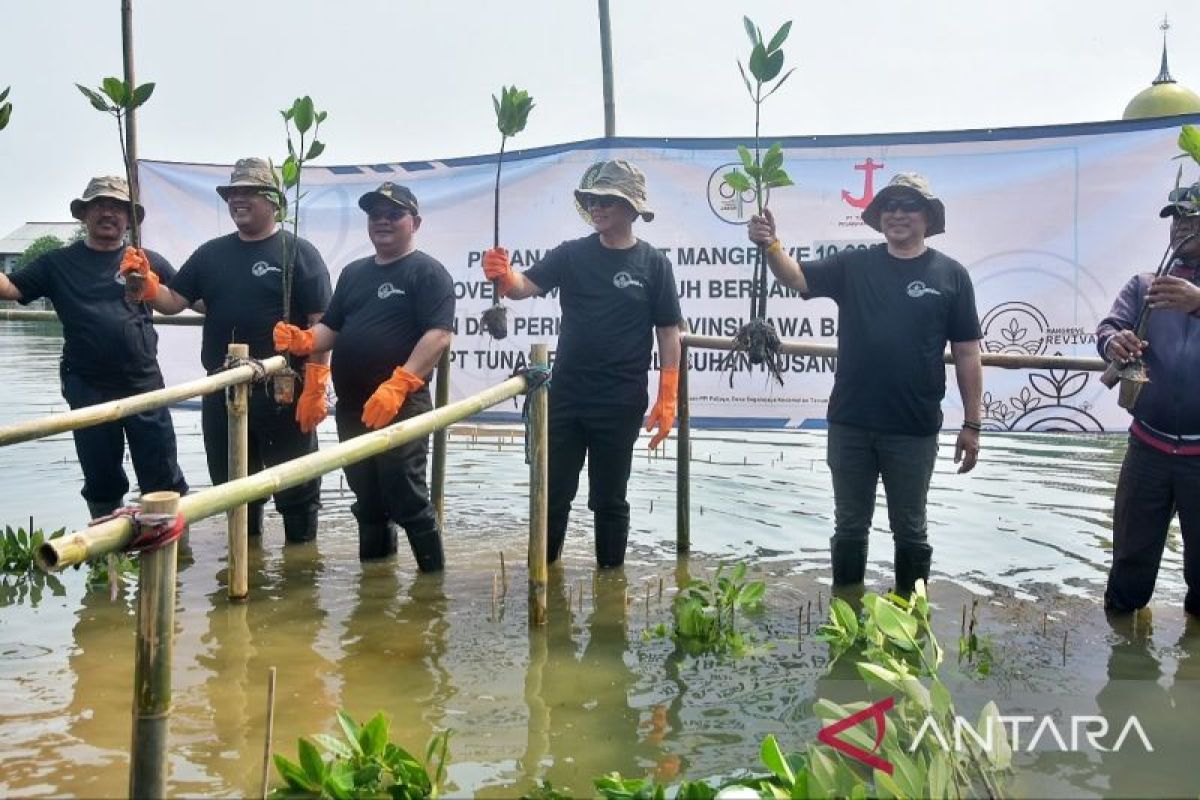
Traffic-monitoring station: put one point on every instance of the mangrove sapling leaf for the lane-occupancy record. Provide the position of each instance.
(350, 730)
(293, 775)
(334, 745)
(991, 730)
(774, 759)
(141, 94)
(374, 736)
(5, 108)
(1189, 141)
(311, 762)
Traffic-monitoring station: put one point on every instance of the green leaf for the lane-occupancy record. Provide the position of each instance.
(350, 730)
(374, 735)
(738, 181)
(823, 772)
(909, 775)
(291, 172)
(302, 114)
(333, 745)
(95, 99)
(310, 760)
(774, 65)
(141, 95)
(779, 179)
(116, 90)
(752, 594)
(773, 160)
(898, 626)
(773, 758)
(886, 786)
(780, 36)
(314, 150)
(5, 115)
(4, 94)
(758, 63)
(751, 31)
(321, 116)
(1189, 141)
(746, 156)
(940, 772)
(294, 775)
(1000, 753)
(745, 80)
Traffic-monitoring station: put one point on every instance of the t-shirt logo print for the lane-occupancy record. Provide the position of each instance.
(918, 288)
(261, 268)
(386, 290)
(623, 280)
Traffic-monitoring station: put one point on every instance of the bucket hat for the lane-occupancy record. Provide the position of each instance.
(392, 193)
(908, 183)
(107, 186)
(258, 174)
(616, 178)
(1183, 201)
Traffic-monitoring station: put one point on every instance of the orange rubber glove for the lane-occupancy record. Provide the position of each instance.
(134, 260)
(497, 268)
(383, 406)
(663, 413)
(290, 339)
(311, 408)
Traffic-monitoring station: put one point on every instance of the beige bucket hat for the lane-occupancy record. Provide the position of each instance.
(616, 178)
(107, 186)
(908, 183)
(256, 173)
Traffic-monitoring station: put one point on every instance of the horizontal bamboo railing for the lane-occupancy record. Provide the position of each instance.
(1003, 360)
(114, 535)
(116, 409)
(26, 315)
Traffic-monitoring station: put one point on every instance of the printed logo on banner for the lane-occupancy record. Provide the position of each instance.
(623, 280)
(730, 206)
(386, 290)
(868, 191)
(261, 268)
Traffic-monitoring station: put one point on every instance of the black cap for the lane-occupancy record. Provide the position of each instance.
(392, 193)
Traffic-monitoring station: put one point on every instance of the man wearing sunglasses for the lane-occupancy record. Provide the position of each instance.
(390, 320)
(238, 281)
(618, 294)
(1160, 475)
(899, 303)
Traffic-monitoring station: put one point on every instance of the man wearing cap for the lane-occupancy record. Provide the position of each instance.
(1160, 475)
(389, 322)
(239, 279)
(110, 346)
(899, 303)
(618, 293)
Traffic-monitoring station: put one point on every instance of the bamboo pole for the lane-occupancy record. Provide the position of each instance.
(1003, 360)
(237, 406)
(152, 666)
(77, 547)
(135, 404)
(131, 138)
(437, 484)
(606, 70)
(683, 453)
(538, 479)
(28, 315)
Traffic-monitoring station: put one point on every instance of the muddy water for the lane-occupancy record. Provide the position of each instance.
(1027, 533)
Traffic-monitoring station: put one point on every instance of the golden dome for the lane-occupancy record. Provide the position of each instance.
(1164, 97)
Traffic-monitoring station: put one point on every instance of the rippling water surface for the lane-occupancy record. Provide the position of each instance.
(1028, 532)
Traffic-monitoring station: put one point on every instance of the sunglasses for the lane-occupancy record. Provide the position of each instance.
(601, 201)
(909, 205)
(390, 214)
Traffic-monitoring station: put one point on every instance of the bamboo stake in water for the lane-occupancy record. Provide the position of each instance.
(266, 763)
(538, 478)
(503, 575)
(437, 483)
(237, 404)
(683, 461)
(152, 662)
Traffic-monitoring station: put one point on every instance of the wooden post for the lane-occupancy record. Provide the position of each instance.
(237, 405)
(152, 664)
(437, 484)
(606, 70)
(538, 478)
(683, 470)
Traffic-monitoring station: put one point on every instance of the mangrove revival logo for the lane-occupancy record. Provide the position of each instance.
(727, 203)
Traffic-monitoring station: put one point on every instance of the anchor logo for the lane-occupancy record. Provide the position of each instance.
(869, 166)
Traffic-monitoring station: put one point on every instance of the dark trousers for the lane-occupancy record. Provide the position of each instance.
(390, 486)
(1152, 488)
(275, 437)
(857, 459)
(101, 448)
(606, 438)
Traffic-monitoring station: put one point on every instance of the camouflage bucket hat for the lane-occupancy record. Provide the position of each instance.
(392, 193)
(908, 183)
(616, 178)
(256, 173)
(1183, 201)
(109, 186)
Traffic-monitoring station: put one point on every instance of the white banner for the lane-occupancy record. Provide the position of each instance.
(1050, 222)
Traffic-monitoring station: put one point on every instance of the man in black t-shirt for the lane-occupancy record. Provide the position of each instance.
(389, 322)
(238, 279)
(618, 294)
(899, 303)
(110, 347)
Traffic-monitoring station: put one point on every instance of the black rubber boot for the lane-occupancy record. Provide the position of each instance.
(554, 543)
(849, 561)
(611, 538)
(427, 549)
(300, 526)
(98, 510)
(254, 520)
(375, 540)
(912, 564)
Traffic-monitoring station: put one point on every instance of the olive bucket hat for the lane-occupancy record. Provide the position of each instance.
(1183, 201)
(255, 173)
(617, 178)
(909, 183)
(109, 186)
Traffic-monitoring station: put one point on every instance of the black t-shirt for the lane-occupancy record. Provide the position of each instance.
(241, 284)
(106, 339)
(612, 300)
(895, 317)
(380, 312)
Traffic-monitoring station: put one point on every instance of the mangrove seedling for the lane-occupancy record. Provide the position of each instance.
(362, 763)
(706, 611)
(5, 108)
(306, 120)
(19, 545)
(759, 174)
(512, 112)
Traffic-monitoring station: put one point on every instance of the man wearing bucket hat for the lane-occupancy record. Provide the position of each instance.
(239, 280)
(390, 320)
(618, 293)
(1160, 475)
(899, 303)
(109, 345)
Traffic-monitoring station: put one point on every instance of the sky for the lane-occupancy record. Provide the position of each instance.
(412, 79)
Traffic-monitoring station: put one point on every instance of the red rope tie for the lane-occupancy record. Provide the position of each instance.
(153, 531)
